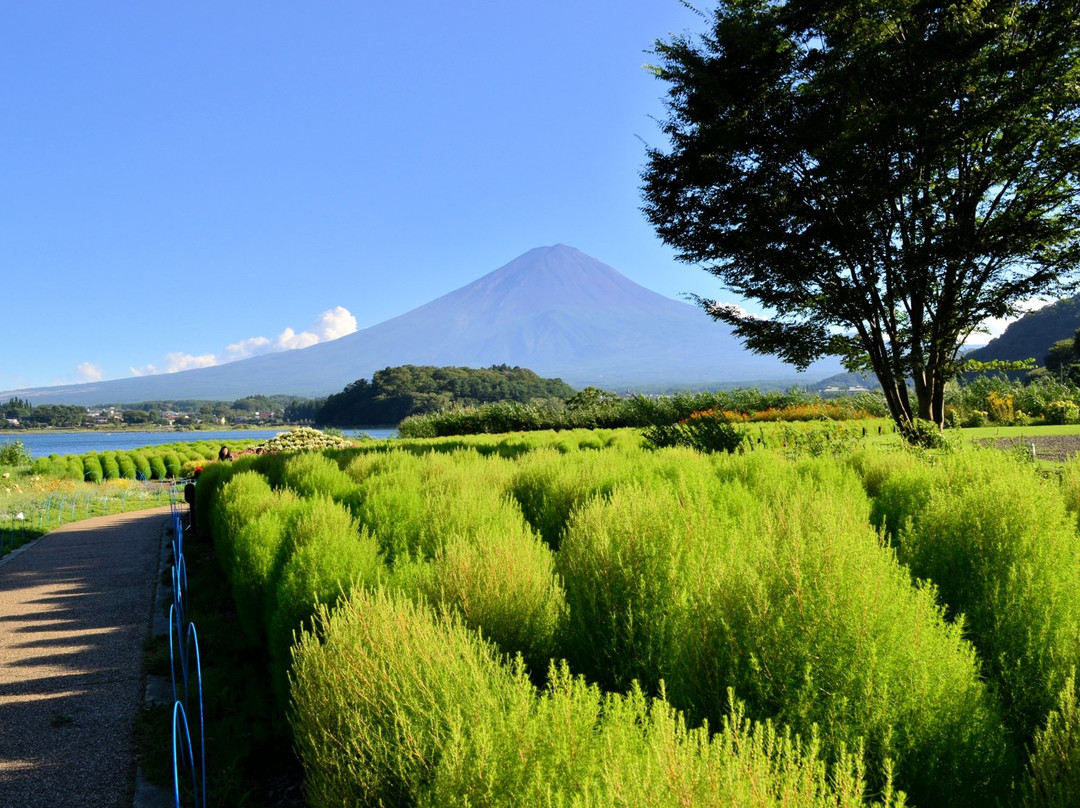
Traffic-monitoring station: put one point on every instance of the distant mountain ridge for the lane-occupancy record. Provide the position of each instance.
(1032, 335)
(553, 310)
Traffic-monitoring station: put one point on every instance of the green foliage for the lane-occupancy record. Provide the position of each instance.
(673, 575)
(708, 431)
(16, 408)
(55, 415)
(309, 473)
(998, 545)
(172, 464)
(593, 408)
(763, 576)
(239, 501)
(1070, 486)
(398, 392)
(158, 470)
(325, 555)
(394, 704)
(376, 701)
(591, 398)
(142, 465)
(68, 467)
(92, 471)
(807, 144)
(1000, 399)
(549, 486)
(75, 467)
(13, 453)
(1054, 768)
(1060, 356)
(1063, 412)
(126, 466)
(256, 555)
(499, 577)
(924, 434)
(110, 466)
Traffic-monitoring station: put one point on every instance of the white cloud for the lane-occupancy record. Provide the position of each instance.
(288, 340)
(331, 324)
(248, 347)
(177, 361)
(89, 372)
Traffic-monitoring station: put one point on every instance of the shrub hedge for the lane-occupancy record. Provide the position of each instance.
(713, 599)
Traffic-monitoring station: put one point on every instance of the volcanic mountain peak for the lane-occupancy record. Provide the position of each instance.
(553, 310)
(557, 277)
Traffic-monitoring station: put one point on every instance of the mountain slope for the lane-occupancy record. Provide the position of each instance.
(1032, 335)
(553, 310)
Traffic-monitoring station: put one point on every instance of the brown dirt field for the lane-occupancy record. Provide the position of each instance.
(1047, 447)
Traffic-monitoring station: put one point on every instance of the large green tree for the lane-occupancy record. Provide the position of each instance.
(881, 177)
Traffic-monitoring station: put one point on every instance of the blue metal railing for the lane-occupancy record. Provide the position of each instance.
(186, 670)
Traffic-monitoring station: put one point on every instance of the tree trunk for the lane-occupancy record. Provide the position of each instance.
(896, 398)
(930, 391)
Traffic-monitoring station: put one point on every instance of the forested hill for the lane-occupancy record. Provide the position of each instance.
(1032, 335)
(397, 392)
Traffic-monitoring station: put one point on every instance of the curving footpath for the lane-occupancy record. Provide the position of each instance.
(75, 613)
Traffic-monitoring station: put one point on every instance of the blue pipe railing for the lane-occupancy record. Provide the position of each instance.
(186, 670)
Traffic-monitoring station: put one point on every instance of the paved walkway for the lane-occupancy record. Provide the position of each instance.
(75, 613)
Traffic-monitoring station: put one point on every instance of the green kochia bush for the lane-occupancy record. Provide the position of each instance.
(548, 486)
(157, 467)
(501, 580)
(997, 542)
(142, 466)
(1070, 486)
(172, 464)
(283, 556)
(765, 576)
(92, 471)
(238, 502)
(310, 473)
(325, 554)
(65, 467)
(76, 467)
(376, 700)
(1054, 768)
(394, 705)
(415, 504)
(127, 466)
(258, 552)
(110, 466)
(456, 539)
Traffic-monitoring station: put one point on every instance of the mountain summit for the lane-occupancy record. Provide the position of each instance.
(554, 310)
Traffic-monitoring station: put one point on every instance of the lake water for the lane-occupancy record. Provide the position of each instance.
(43, 444)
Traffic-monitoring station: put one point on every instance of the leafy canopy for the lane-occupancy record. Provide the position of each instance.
(881, 175)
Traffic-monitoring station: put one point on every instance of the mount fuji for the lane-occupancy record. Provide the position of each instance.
(553, 310)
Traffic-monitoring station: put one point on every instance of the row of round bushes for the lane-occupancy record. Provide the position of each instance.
(152, 463)
(684, 576)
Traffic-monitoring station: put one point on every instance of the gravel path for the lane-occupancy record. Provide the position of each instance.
(75, 612)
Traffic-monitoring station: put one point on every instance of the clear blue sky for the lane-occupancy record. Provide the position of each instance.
(191, 182)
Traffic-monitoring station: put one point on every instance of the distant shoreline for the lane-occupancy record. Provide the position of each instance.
(16, 431)
(187, 430)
